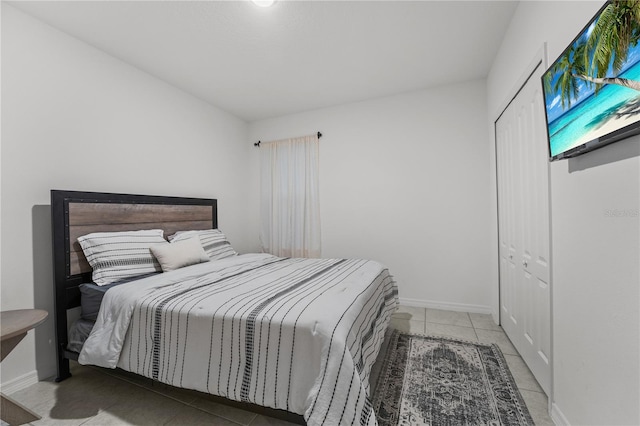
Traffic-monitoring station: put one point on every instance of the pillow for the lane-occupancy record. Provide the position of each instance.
(179, 253)
(115, 256)
(213, 241)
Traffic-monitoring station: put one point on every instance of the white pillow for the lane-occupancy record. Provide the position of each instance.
(115, 256)
(178, 254)
(213, 241)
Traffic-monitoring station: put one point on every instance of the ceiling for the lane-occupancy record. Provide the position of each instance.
(296, 56)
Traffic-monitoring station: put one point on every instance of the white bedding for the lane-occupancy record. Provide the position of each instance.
(294, 334)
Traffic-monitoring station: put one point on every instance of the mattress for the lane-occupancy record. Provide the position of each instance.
(293, 334)
(78, 334)
(91, 296)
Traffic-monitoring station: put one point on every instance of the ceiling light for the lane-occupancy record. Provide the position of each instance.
(263, 3)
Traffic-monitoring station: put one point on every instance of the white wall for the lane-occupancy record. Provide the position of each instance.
(595, 251)
(75, 118)
(404, 180)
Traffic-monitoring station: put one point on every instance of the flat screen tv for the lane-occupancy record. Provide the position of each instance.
(592, 91)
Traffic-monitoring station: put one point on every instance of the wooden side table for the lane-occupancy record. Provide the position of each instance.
(14, 326)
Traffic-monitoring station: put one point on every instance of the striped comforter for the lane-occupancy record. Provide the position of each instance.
(294, 334)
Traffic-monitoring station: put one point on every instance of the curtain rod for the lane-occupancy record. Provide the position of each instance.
(258, 143)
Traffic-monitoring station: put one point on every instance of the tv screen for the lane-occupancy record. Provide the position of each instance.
(592, 91)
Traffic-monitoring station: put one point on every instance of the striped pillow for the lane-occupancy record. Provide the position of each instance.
(213, 241)
(115, 256)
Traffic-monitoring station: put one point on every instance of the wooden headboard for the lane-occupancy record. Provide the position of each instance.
(76, 213)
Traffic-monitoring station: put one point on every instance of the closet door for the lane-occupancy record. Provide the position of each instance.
(523, 209)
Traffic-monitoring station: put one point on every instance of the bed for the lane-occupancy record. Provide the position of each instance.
(298, 335)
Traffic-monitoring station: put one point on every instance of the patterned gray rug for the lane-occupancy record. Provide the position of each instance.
(440, 381)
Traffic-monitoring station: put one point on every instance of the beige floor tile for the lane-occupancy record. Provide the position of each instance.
(499, 338)
(195, 417)
(521, 373)
(226, 411)
(484, 321)
(60, 403)
(183, 395)
(410, 313)
(186, 396)
(81, 376)
(538, 407)
(451, 331)
(107, 389)
(92, 381)
(66, 411)
(85, 395)
(106, 418)
(448, 317)
(35, 394)
(407, 326)
(148, 408)
(129, 377)
(261, 420)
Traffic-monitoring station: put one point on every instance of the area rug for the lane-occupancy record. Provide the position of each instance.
(440, 381)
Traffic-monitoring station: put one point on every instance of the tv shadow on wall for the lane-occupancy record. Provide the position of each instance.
(624, 150)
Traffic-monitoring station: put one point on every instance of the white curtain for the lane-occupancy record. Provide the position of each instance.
(290, 208)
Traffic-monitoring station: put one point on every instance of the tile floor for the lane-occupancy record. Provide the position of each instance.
(95, 396)
(477, 328)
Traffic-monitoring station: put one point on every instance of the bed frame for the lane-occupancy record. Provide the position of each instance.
(75, 213)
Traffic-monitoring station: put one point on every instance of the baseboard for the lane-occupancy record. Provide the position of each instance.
(20, 383)
(558, 418)
(447, 306)
(496, 316)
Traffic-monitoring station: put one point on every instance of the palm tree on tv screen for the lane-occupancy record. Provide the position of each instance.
(604, 47)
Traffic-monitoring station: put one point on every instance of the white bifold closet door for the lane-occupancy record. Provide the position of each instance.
(523, 213)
